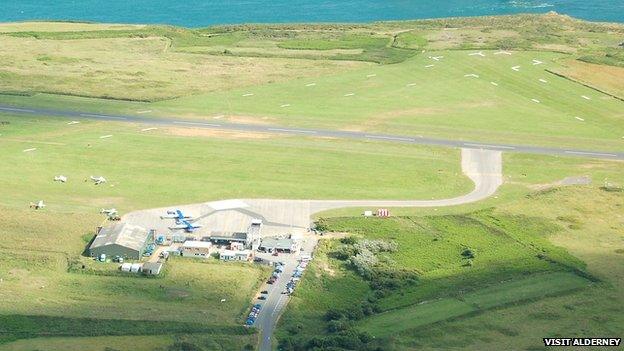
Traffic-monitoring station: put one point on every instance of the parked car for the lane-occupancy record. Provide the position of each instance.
(262, 297)
(264, 292)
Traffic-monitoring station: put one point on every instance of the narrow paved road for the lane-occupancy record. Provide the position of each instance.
(312, 132)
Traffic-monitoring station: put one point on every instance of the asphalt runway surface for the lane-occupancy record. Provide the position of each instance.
(314, 132)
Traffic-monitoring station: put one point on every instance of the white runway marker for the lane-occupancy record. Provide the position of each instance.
(148, 129)
(285, 105)
(371, 75)
(537, 62)
(516, 68)
(349, 94)
(411, 85)
(580, 119)
(72, 122)
(585, 97)
(502, 53)
(480, 53)
(248, 94)
(310, 84)
(144, 111)
(429, 66)
(436, 58)
(472, 75)
(543, 80)
(494, 84)
(536, 101)
(29, 150)
(106, 136)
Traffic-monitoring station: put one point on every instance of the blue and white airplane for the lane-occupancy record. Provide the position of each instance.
(186, 225)
(178, 215)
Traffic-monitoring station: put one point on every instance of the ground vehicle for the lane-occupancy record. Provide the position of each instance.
(262, 297)
(264, 292)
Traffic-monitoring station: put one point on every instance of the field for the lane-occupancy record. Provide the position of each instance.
(45, 282)
(543, 257)
(366, 77)
(524, 288)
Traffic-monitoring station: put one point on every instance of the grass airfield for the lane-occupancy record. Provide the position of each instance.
(548, 256)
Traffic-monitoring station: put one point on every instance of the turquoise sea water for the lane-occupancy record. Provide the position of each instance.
(198, 13)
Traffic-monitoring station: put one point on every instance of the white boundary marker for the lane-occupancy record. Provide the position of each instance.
(580, 119)
(349, 94)
(284, 105)
(537, 62)
(411, 84)
(29, 150)
(480, 53)
(310, 84)
(429, 66)
(106, 136)
(502, 52)
(218, 117)
(543, 80)
(72, 123)
(472, 75)
(494, 84)
(247, 94)
(144, 111)
(536, 101)
(516, 68)
(371, 75)
(148, 129)
(585, 97)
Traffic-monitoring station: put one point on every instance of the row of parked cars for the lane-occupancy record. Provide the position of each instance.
(292, 283)
(251, 318)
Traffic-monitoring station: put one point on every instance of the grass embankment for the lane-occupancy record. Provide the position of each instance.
(517, 287)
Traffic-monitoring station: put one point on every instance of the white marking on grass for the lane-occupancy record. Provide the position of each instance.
(490, 146)
(585, 97)
(106, 136)
(471, 75)
(388, 138)
(371, 75)
(218, 117)
(144, 111)
(72, 122)
(411, 85)
(148, 129)
(494, 84)
(198, 124)
(248, 94)
(543, 80)
(516, 68)
(590, 153)
(349, 94)
(284, 105)
(502, 53)
(536, 101)
(101, 116)
(29, 150)
(16, 109)
(310, 84)
(436, 58)
(292, 130)
(580, 119)
(480, 53)
(537, 62)
(429, 66)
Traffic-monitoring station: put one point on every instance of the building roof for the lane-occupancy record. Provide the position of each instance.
(228, 236)
(196, 244)
(152, 266)
(281, 244)
(123, 234)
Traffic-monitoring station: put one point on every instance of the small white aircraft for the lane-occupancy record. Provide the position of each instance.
(98, 180)
(480, 53)
(109, 212)
(60, 178)
(37, 206)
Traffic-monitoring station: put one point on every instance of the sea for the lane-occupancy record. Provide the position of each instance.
(202, 13)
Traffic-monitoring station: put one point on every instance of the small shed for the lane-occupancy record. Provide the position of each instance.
(125, 267)
(152, 268)
(136, 267)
